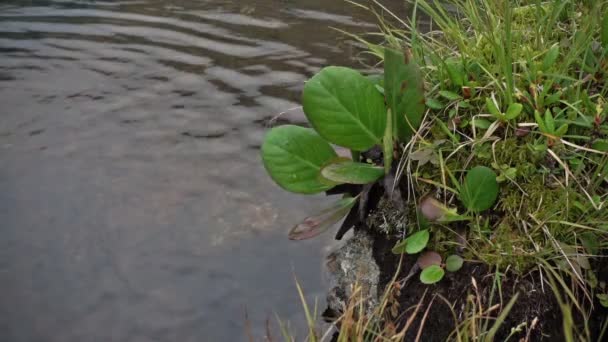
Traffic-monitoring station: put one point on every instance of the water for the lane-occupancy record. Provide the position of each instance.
(133, 204)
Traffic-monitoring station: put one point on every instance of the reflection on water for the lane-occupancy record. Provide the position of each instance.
(133, 203)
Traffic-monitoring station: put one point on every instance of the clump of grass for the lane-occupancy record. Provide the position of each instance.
(519, 87)
(479, 319)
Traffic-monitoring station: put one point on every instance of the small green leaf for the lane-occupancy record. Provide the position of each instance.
(317, 224)
(345, 108)
(493, 109)
(434, 104)
(431, 274)
(480, 189)
(540, 122)
(452, 96)
(549, 122)
(293, 157)
(351, 172)
(404, 90)
(562, 130)
(482, 123)
(600, 145)
(513, 111)
(413, 244)
(551, 57)
(453, 263)
(456, 72)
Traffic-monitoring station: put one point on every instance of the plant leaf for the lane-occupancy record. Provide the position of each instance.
(493, 109)
(404, 91)
(540, 122)
(600, 145)
(351, 172)
(345, 108)
(549, 122)
(293, 157)
(455, 72)
(317, 224)
(513, 111)
(452, 96)
(387, 142)
(413, 244)
(431, 274)
(551, 57)
(482, 123)
(562, 130)
(434, 104)
(453, 263)
(431, 209)
(428, 258)
(480, 189)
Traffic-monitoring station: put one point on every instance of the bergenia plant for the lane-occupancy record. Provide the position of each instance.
(370, 115)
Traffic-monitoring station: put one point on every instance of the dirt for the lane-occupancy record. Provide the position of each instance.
(535, 302)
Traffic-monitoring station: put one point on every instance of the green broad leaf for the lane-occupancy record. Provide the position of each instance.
(480, 189)
(351, 172)
(481, 123)
(551, 57)
(345, 108)
(491, 106)
(293, 157)
(604, 33)
(452, 96)
(434, 104)
(455, 72)
(317, 224)
(412, 244)
(453, 263)
(513, 111)
(404, 92)
(600, 145)
(387, 142)
(431, 274)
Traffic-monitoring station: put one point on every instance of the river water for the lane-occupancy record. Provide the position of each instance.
(133, 204)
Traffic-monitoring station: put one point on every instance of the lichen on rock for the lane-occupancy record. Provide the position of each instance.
(352, 265)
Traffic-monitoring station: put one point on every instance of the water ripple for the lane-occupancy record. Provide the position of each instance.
(134, 206)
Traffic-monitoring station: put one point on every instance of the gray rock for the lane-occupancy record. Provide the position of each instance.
(350, 265)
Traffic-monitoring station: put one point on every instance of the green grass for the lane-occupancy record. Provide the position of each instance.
(479, 58)
(545, 56)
